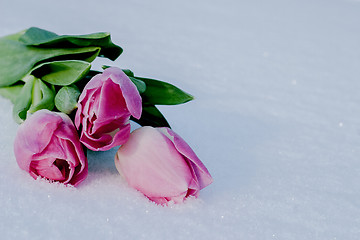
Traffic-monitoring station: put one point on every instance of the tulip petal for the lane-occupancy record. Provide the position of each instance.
(200, 171)
(47, 145)
(151, 164)
(159, 200)
(164, 200)
(105, 142)
(128, 88)
(104, 109)
(27, 141)
(46, 169)
(85, 96)
(111, 101)
(70, 142)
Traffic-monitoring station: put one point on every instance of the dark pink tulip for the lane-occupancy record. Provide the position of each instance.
(161, 165)
(104, 109)
(47, 145)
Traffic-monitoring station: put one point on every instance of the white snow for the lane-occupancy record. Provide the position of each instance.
(276, 120)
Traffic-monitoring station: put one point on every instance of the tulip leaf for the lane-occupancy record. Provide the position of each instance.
(23, 102)
(151, 116)
(17, 59)
(61, 73)
(140, 85)
(66, 99)
(11, 92)
(42, 96)
(128, 72)
(34, 95)
(42, 38)
(162, 93)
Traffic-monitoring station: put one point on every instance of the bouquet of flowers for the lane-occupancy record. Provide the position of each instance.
(65, 107)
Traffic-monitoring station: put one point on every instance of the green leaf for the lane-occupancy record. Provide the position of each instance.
(17, 59)
(11, 92)
(15, 36)
(105, 67)
(140, 85)
(151, 116)
(66, 99)
(34, 95)
(42, 96)
(43, 38)
(128, 72)
(162, 93)
(23, 102)
(62, 73)
(34, 36)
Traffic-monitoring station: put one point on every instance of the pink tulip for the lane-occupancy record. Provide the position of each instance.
(104, 109)
(161, 165)
(47, 145)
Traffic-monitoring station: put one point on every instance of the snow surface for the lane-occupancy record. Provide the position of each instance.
(276, 120)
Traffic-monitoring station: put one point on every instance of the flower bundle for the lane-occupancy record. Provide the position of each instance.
(65, 107)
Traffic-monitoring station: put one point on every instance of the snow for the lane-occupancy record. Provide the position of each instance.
(276, 119)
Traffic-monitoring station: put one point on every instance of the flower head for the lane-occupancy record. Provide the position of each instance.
(161, 165)
(104, 109)
(47, 145)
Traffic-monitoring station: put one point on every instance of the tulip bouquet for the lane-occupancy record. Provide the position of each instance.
(64, 107)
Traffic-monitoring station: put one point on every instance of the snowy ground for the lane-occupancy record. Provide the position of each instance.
(276, 120)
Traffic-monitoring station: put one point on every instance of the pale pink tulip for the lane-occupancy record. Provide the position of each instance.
(47, 145)
(161, 165)
(104, 109)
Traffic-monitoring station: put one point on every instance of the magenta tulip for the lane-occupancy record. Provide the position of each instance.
(47, 145)
(104, 109)
(161, 165)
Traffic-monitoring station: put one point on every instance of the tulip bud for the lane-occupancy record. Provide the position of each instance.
(161, 165)
(104, 109)
(47, 145)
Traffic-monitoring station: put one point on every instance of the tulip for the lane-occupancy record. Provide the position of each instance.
(104, 109)
(161, 165)
(47, 145)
